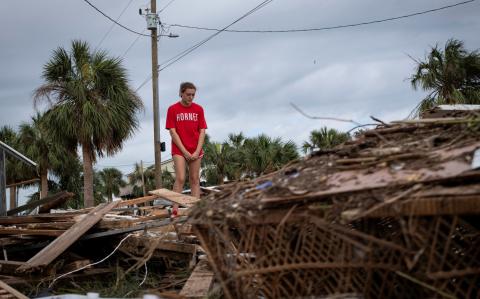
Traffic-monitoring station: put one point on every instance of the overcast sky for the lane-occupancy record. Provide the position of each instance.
(245, 81)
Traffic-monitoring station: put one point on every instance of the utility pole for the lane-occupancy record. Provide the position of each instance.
(156, 113)
(152, 24)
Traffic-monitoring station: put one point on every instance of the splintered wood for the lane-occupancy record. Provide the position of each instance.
(59, 245)
(392, 213)
(199, 283)
(38, 247)
(7, 292)
(181, 199)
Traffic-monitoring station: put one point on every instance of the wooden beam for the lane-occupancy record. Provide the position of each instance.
(143, 226)
(47, 225)
(199, 283)
(60, 217)
(60, 244)
(56, 198)
(23, 182)
(11, 291)
(181, 199)
(146, 241)
(137, 201)
(30, 232)
(9, 267)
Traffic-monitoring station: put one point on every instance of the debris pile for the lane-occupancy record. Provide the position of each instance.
(394, 213)
(43, 249)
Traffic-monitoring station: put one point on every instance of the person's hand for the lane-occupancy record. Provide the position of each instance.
(195, 155)
(187, 156)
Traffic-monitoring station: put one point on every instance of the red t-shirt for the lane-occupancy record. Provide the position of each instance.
(187, 121)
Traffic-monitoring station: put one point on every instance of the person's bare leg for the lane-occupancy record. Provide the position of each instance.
(194, 176)
(179, 164)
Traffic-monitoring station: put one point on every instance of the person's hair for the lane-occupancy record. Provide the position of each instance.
(186, 85)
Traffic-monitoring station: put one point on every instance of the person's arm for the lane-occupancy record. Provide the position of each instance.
(201, 140)
(178, 142)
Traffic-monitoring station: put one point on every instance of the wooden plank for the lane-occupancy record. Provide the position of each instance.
(452, 166)
(200, 282)
(138, 227)
(459, 205)
(47, 225)
(164, 213)
(23, 182)
(9, 267)
(56, 198)
(60, 217)
(181, 199)
(442, 120)
(12, 291)
(146, 241)
(60, 244)
(137, 201)
(31, 232)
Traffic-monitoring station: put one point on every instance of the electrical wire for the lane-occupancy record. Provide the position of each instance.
(93, 264)
(105, 15)
(330, 27)
(113, 24)
(132, 44)
(187, 51)
(184, 53)
(145, 276)
(162, 31)
(165, 7)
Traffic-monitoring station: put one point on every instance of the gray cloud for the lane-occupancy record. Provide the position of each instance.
(246, 81)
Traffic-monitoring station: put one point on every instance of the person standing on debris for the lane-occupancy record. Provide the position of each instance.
(186, 123)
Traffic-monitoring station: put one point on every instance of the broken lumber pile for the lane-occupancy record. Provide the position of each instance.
(393, 213)
(49, 247)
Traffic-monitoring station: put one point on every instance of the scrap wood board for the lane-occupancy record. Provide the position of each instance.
(7, 291)
(199, 283)
(350, 181)
(181, 199)
(60, 244)
(137, 201)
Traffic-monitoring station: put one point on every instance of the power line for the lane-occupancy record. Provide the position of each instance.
(187, 51)
(165, 7)
(105, 15)
(113, 24)
(184, 53)
(162, 31)
(330, 27)
(132, 44)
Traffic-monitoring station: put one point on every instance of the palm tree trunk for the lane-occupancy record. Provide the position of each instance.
(44, 183)
(87, 176)
(13, 197)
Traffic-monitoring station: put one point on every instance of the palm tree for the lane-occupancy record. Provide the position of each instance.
(218, 162)
(90, 104)
(167, 179)
(451, 76)
(110, 180)
(324, 139)
(135, 179)
(263, 154)
(36, 143)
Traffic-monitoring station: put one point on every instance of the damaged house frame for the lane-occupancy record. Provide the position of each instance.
(6, 149)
